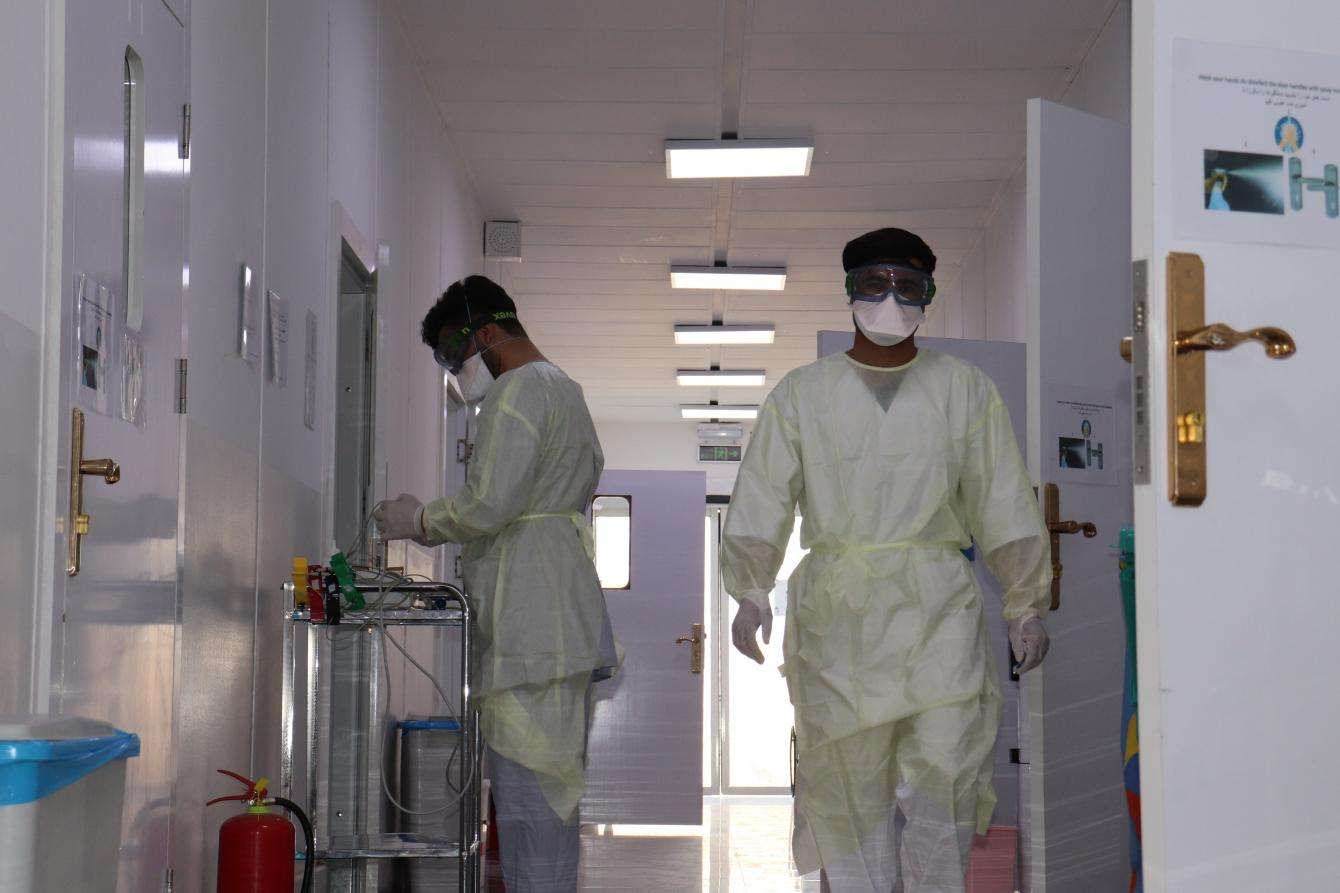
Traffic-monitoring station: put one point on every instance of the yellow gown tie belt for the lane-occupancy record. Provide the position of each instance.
(578, 520)
(847, 580)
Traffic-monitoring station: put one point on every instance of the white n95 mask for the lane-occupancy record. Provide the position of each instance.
(887, 322)
(475, 379)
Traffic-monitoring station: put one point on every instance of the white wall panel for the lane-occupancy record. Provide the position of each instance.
(353, 105)
(341, 117)
(20, 407)
(24, 216)
(222, 466)
(1103, 85)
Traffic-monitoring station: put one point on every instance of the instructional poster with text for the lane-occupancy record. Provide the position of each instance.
(1081, 436)
(1256, 145)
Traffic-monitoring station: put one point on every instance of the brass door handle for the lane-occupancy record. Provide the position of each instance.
(1056, 528)
(1085, 527)
(1189, 338)
(107, 469)
(695, 639)
(1278, 344)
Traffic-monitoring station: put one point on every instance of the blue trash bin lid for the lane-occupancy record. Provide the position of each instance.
(415, 723)
(40, 753)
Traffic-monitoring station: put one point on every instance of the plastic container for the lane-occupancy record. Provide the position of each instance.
(430, 747)
(62, 782)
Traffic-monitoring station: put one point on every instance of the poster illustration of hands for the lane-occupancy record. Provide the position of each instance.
(1256, 137)
(1080, 436)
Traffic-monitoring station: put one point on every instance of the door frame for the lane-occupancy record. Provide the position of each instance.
(344, 232)
(717, 683)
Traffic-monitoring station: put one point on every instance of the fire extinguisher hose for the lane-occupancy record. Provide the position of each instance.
(308, 837)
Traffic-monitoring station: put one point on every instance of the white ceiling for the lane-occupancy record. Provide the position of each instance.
(560, 108)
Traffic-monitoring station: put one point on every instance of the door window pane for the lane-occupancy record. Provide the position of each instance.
(355, 371)
(760, 714)
(611, 519)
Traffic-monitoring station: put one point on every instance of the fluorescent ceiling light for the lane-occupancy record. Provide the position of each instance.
(744, 278)
(701, 159)
(721, 378)
(761, 334)
(742, 412)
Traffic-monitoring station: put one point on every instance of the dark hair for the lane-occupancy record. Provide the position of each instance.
(483, 297)
(889, 245)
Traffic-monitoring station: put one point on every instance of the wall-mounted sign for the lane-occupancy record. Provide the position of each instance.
(1256, 136)
(1079, 440)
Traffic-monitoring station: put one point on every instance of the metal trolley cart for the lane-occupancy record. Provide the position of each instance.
(346, 734)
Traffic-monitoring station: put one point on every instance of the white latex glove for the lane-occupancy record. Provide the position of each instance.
(1029, 642)
(745, 626)
(401, 519)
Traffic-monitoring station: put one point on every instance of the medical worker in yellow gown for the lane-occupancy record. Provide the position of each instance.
(897, 458)
(543, 635)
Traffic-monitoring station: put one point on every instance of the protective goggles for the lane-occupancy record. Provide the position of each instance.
(908, 286)
(452, 353)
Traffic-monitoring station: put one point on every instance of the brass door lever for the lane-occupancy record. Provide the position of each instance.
(1051, 507)
(694, 639)
(107, 469)
(1278, 344)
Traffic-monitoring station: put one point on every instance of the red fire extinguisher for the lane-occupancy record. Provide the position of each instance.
(256, 848)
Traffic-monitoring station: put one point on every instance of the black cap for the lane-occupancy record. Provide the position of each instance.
(887, 245)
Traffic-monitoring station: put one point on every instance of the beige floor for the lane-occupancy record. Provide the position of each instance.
(743, 846)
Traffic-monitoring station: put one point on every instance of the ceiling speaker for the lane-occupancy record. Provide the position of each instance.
(502, 240)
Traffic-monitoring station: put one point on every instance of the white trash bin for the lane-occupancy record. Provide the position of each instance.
(62, 782)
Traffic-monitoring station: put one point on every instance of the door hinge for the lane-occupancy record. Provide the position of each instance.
(167, 881)
(181, 385)
(458, 569)
(464, 450)
(184, 148)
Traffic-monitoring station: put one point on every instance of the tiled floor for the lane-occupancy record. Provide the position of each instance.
(743, 846)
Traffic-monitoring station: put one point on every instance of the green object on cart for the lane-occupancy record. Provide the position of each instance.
(345, 575)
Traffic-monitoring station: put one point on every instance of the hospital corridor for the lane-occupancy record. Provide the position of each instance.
(669, 446)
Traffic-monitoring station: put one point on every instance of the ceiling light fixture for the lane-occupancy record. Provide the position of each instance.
(703, 159)
(719, 334)
(736, 412)
(744, 278)
(721, 378)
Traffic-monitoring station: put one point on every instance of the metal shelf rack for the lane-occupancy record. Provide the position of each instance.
(345, 738)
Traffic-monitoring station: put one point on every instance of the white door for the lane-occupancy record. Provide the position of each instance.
(115, 622)
(1237, 597)
(645, 761)
(1080, 306)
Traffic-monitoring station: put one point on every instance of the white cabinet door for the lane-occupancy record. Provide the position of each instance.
(1238, 600)
(646, 745)
(115, 624)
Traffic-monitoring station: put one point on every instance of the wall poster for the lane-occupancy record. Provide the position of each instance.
(1256, 143)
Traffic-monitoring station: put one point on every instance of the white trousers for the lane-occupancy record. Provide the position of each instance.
(919, 849)
(539, 850)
